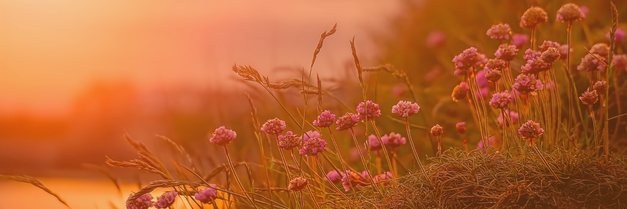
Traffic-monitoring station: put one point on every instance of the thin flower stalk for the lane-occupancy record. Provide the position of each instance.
(239, 182)
(302, 173)
(363, 159)
(413, 149)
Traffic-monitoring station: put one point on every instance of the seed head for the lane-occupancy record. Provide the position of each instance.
(289, 140)
(600, 87)
(500, 100)
(405, 109)
(460, 91)
(469, 58)
(506, 52)
(527, 84)
(530, 130)
(222, 136)
(533, 17)
(569, 12)
(368, 110)
(499, 32)
(393, 140)
(166, 199)
(312, 144)
(437, 130)
(274, 126)
(207, 195)
(589, 97)
(347, 121)
(142, 202)
(297, 184)
(620, 62)
(325, 119)
(519, 40)
(461, 128)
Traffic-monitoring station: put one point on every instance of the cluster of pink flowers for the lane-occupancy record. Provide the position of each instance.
(207, 195)
(288, 141)
(469, 58)
(393, 140)
(334, 176)
(533, 17)
(382, 177)
(500, 100)
(507, 52)
(519, 40)
(405, 109)
(591, 63)
(166, 200)
(273, 126)
(368, 110)
(142, 202)
(530, 130)
(499, 32)
(512, 115)
(618, 36)
(373, 143)
(527, 84)
(551, 55)
(312, 144)
(325, 119)
(569, 12)
(222, 136)
(548, 44)
(589, 97)
(297, 184)
(347, 121)
(600, 87)
(534, 64)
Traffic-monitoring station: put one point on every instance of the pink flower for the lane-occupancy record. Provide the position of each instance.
(142, 202)
(569, 12)
(393, 140)
(222, 136)
(533, 17)
(368, 110)
(620, 63)
(382, 177)
(548, 44)
(600, 87)
(435, 39)
(550, 55)
(527, 84)
(481, 79)
(500, 100)
(405, 109)
(564, 51)
(589, 97)
(483, 92)
(297, 184)
(347, 121)
(513, 116)
(530, 130)
(352, 179)
(207, 195)
(324, 120)
(460, 92)
(334, 176)
(437, 130)
(499, 32)
(274, 126)
(469, 58)
(618, 36)
(312, 144)
(288, 141)
(534, 64)
(519, 40)
(591, 63)
(507, 52)
(166, 200)
(600, 49)
(373, 143)
(461, 128)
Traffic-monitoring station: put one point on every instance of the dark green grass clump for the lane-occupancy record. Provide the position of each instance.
(490, 180)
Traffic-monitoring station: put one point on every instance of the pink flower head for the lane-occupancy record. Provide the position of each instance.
(481, 79)
(166, 199)
(288, 141)
(620, 62)
(589, 97)
(347, 121)
(312, 144)
(297, 184)
(495, 64)
(460, 92)
(393, 140)
(461, 128)
(527, 84)
(469, 58)
(352, 179)
(512, 115)
(437, 130)
(499, 32)
(500, 100)
(519, 40)
(564, 51)
(324, 120)
(142, 202)
(533, 17)
(618, 36)
(368, 110)
(534, 64)
(405, 109)
(373, 143)
(382, 177)
(273, 126)
(334, 176)
(207, 195)
(591, 63)
(530, 130)
(569, 12)
(601, 50)
(435, 39)
(548, 44)
(507, 52)
(600, 87)
(483, 92)
(222, 136)
(550, 55)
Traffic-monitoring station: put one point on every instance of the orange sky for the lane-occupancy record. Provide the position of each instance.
(50, 51)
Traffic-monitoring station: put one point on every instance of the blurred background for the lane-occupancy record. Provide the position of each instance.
(77, 75)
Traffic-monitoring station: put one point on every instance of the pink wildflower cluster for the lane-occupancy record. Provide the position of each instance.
(569, 12)
(534, 64)
(507, 52)
(347, 121)
(469, 58)
(368, 110)
(222, 136)
(405, 109)
(325, 119)
(393, 140)
(273, 126)
(373, 143)
(288, 141)
(207, 195)
(527, 84)
(166, 199)
(499, 32)
(142, 202)
(312, 144)
(500, 100)
(530, 130)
